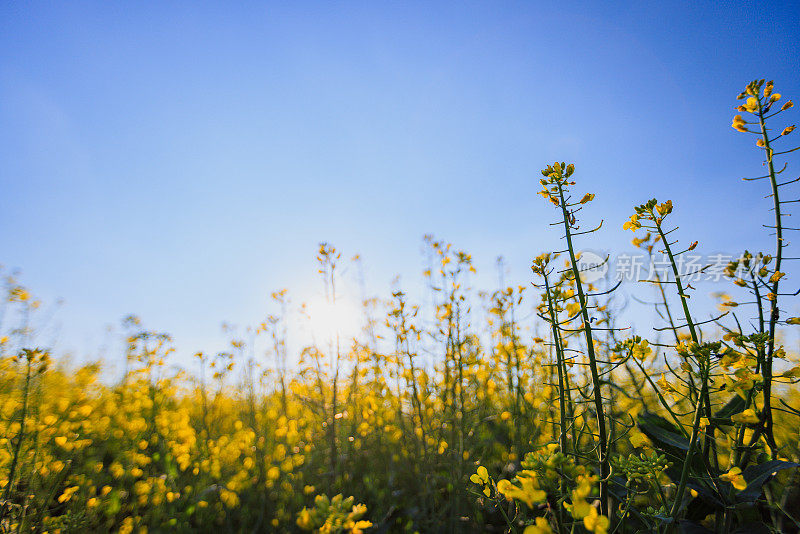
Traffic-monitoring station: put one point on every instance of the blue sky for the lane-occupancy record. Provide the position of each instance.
(182, 160)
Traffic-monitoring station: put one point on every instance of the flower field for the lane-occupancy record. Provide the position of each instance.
(451, 417)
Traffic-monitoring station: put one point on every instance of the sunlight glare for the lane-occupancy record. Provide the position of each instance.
(328, 319)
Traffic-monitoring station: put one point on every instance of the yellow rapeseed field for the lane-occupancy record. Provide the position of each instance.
(458, 421)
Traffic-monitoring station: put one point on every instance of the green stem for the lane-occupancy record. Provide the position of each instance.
(559, 362)
(678, 283)
(605, 467)
(774, 310)
(692, 442)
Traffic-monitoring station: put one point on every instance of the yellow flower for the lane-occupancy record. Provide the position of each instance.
(273, 473)
(481, 476)
(666, 387)
(68, 493)
(747, 417)
(734, 476)
(580, 508)
(482, 479)
(304, 520)
(588, 197)
(788, 130)
(641, 350)
(751, 105)
(359, 526)
(528, 491)
(638, 439)
(739, 124)
(540, 527)
(638, 241)
(633, 224)
(595, 522)
(665, 208)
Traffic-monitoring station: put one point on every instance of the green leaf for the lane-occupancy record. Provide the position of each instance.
(757, 475)
(733, 406)
(668, 439)
(662, 432)
(705, 494)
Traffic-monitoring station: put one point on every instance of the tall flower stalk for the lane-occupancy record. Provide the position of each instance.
(760, 99)
(555, 187)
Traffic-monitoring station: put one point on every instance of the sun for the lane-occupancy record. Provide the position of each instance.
(329, 320)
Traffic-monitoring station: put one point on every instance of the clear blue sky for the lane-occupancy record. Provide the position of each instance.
(180, 160)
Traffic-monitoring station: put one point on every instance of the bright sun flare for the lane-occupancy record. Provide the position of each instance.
(328, 320)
